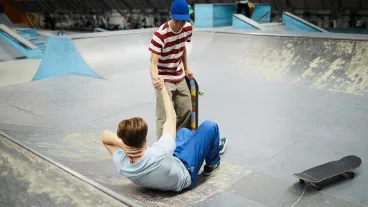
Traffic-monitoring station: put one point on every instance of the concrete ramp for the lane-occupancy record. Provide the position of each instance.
(14, 72)
(7, 52)
(94, 56)
(16, 36)
(109, 56)
(20, 171)
(333, 66)
(287, 99)
(20, 43)
(294, 23)
(242, 22)
(61, 58)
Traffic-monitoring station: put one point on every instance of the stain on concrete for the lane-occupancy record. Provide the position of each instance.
(270, 191)
(228, 199)
(271, 62)
(334, 65)
(27, 180)
(72, 146)
(205, 187)
(76, 145)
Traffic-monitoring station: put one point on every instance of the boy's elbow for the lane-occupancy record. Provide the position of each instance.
(173, 118)
(104, 135)
(153, 63)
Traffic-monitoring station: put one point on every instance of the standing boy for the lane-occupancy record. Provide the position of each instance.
(169, 65)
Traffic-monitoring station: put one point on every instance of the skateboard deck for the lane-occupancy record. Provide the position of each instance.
(262, 17)
(194, 92)
(330, 169)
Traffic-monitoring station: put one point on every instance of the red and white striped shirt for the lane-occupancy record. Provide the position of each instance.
(170, 47)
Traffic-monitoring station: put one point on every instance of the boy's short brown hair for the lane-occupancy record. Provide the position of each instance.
(133, 132)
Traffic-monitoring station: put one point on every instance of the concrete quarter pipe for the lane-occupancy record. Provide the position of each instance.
(281, 101)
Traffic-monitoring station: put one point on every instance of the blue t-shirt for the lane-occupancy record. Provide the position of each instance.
(158, 168)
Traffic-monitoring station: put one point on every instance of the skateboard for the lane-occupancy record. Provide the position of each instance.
(194, 92)
(327, 170)
(262, 17)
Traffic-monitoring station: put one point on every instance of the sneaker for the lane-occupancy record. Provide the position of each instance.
(223, 142)
(209, 169)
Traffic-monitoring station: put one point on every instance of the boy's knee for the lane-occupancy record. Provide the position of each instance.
(183, 131)
(209, 124)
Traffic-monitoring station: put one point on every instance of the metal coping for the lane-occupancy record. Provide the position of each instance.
(102, 188)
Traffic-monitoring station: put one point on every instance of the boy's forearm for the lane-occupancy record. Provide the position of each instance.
(170, 122)
(169, 109)
(153, 65)
(153, 69)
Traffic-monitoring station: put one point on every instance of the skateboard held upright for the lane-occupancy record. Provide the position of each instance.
(319, 173)
(194, 92)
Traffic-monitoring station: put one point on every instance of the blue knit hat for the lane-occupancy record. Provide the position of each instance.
(180, 10)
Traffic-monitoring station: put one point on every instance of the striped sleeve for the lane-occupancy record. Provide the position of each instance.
(189, 29)
(190, 37)
(157, 43)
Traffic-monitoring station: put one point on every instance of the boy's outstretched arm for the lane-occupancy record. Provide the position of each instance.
(156, 80)
(170, 123)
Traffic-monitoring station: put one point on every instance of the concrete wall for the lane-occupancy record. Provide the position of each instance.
(218, 15)
(11, 9)
(213, 15)
(260, 10)
(19, 43)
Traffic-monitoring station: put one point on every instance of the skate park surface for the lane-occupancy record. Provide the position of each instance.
(286, 104)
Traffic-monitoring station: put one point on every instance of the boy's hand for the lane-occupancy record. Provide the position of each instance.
(189, 73)
(130, 151)
(158, 82)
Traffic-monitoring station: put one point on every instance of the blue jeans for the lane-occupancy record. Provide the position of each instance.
(195, 148)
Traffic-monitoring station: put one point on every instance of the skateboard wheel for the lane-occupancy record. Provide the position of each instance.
(351, 174)
(318, 188)
(300, 180)
(201, 93)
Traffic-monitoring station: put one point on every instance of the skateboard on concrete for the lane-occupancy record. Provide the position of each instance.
(319, 173)
(194, 92)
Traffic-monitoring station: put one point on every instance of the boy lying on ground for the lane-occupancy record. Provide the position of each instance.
(172, 163)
